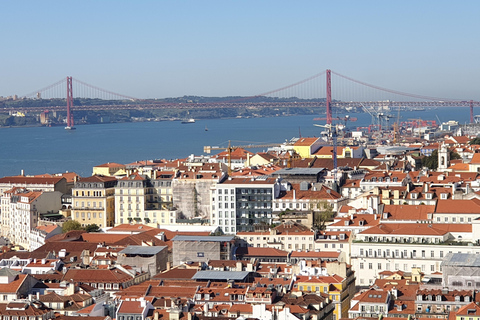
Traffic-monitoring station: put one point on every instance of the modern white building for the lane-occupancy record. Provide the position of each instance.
(238, 204)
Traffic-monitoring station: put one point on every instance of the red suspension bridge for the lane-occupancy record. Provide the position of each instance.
(316, 91)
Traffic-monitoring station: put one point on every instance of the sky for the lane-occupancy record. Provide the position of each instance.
(158, 49)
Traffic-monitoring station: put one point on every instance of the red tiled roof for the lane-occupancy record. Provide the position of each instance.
(130, 307)
(305, 142)
(458, 206)
(417, 228)
(97, 275)
(110, 165)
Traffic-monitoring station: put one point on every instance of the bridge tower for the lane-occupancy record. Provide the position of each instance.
(471, 111)
(69, 103)
(329, 96)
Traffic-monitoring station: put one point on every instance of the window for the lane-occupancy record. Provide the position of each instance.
(361, 265)
(370, 266)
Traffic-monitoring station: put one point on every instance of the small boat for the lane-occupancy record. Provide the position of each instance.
(188, 121)
(70, 128)
(206, 129)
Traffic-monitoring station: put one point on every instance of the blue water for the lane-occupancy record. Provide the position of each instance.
(39, 150)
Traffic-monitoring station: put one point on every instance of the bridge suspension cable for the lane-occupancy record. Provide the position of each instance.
(103, 90)
(411, 95)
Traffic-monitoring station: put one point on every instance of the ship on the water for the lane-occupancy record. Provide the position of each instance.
(188, 121)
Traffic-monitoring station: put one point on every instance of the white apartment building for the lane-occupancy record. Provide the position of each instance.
(395, 247)
(238, 204)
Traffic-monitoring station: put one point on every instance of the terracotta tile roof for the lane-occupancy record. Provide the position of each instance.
(133, 307)
(97, 275)
(134, 176)
(47, 229)
(357, 220)
(107, 238)
(110, 165)
(471, 309)
(74, 248)
(313, 254)
(237, 153)
(14, 286)
(255, 172)
(68, 236)
(142, 163)
(459, 166)
(176, 274)
(373, 296)
(320, 279)
(30, 180)
(417, 229)
(22, 309)
(126, 227)
(98, 178)
(408, 212)
(305, 142)
(261, 252)
(323, 193)
(458, 206)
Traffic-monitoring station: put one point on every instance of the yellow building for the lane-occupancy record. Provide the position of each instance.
(93, 201)
(108, 169)
(339, 289)
(143, 200)
(306, 147)
(326, 152)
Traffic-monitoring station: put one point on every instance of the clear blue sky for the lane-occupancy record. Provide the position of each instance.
(157, 49)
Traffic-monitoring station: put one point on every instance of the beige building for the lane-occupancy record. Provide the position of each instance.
(109, 169)
(143, 200)
(287, 236)
(93, 201)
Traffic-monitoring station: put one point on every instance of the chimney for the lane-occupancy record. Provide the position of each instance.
(294, 195)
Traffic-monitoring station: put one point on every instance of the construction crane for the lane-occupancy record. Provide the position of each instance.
(332, 131)
(230, 148)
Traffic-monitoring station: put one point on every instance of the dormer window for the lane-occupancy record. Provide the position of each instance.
(428, 196)
(443, 196)
(414, 195)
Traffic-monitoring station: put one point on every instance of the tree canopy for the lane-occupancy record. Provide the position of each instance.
(431, 162)
(92, 228)
(474, 141)
(71, 225)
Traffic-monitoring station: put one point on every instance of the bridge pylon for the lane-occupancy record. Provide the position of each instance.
(329, 96)
(69, 103)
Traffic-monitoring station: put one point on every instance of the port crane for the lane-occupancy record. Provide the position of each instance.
(230, 148)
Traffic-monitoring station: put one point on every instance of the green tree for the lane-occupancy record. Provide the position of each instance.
(474, 141)
(71, 225)
(320, 218)
(431, 162)
(92, 228)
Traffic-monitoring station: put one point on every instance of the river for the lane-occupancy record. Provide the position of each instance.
(38, 150)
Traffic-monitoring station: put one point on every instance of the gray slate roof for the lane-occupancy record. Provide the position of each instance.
(461, 260)
(142, 250)
(220, 275)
